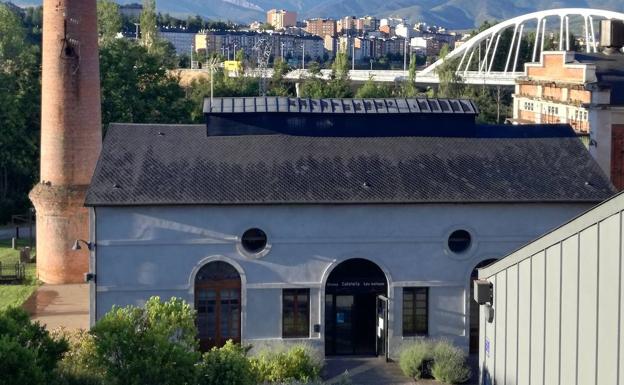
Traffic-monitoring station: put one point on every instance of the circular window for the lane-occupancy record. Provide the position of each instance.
(254, 240)
(459, 241)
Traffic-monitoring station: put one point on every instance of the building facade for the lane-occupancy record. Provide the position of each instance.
(321, 27)
(583, 90)
(340, 223)
(554, 312)
(183, 42)
(281, 18)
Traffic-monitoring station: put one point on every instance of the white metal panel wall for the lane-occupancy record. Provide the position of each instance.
(559, 307)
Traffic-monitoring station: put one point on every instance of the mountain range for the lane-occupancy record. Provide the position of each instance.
(453, 14)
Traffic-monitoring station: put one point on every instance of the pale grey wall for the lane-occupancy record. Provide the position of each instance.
(144, 251)
(558, 306)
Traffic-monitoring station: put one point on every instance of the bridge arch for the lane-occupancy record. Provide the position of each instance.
(491, 37)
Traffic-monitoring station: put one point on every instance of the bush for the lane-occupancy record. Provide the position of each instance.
(28, 354)
(414, 360)
(299, 363)
(449, 363)
(226, 366)
(79, 365)
(152, 345)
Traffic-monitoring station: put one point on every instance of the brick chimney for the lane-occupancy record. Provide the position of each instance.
(71, 136)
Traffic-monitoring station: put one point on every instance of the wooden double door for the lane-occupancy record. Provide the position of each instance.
(218, 305)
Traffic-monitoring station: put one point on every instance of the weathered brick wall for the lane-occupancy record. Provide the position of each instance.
(70, 136)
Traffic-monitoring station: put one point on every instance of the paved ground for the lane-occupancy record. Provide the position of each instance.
(375, 371)
(60, 305)
(364, 371)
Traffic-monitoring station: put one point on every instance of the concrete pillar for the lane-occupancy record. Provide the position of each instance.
(71, 136)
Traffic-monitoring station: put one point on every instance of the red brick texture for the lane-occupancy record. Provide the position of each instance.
(617, 156)
(70, 136)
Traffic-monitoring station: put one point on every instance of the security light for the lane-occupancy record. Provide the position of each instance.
(76, 245)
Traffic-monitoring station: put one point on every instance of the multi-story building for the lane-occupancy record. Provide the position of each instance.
(181, 41)
(403, 30)
(346, 25)
(227, 43)
(281, 18)
(583, 90)
(368, 24)
(321, 27)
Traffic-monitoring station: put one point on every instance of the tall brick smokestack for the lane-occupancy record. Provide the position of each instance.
(70, 137)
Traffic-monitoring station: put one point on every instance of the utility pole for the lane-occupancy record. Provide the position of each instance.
(353, 55)
(405, 55)
(303, 56)
(136, 33)
(282, 51)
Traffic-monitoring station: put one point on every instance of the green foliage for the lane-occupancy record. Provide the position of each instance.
(155, 344)
(20, 95)
(277, 86)
(223, 86)
(149, 28)
(226, 366)
(299, 363)
(370, 89)
(415, 358)
(449, 363)
(28, 354)
(109, 20)
(338, 86)
(136, 87)
(79, 365)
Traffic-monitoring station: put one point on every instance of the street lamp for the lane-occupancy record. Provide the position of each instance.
(282, 51)
(136, 33)
(303, 56)
(371, 63)
(76, 245)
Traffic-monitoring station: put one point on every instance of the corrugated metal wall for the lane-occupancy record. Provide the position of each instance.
(558, 307)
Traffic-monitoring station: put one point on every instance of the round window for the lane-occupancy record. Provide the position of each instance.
(254, 240)
(459, 241)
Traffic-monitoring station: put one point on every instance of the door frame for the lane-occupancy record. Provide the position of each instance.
(386, 347)
(243, 286)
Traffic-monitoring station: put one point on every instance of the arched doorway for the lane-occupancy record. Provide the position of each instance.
(354, 293)
(218, 304)
(474, 307)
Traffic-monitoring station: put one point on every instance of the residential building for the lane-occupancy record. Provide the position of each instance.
(346, 25)
(131, 11)
(281, 18)
(403, 30)
(321, 27)
(583, 90)
(349, 225)
(368, 24)
(183, 42)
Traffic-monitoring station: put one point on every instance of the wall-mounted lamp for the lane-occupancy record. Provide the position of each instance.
(89, 245)
(592, 142)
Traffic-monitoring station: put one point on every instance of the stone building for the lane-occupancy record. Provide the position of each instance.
(353, 225)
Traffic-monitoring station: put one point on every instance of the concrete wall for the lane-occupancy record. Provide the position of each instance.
(558, 306)
(143, 251)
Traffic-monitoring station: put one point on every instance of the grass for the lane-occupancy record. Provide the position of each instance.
(16, 295)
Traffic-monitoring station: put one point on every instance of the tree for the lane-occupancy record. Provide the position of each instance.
(409, 89)
(20, 95)
(28, 354)
(277, 86)
(136, 86)
(109, 21)
(370, 89)
(155, 344)
(149, 27)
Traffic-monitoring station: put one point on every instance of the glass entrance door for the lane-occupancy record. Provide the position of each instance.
(344, 324)
(382, 326)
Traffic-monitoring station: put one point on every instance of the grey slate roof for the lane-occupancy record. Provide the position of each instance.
(232, 105)
(181, 165)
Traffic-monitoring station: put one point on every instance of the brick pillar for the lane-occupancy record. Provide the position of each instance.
(71, 136)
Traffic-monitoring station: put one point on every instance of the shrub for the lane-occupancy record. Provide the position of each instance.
(299, 363)
(226, 366)
(152, 345)
(28, 354)
(449, 363)
(414, 360)
(79, 365)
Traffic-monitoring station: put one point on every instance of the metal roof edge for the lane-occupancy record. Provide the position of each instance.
(607, 208)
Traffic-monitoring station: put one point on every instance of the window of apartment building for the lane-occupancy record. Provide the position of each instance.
(552, 110)
(415, 311)
(296, 313)
(528, 106)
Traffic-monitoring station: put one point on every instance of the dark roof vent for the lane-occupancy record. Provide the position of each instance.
(612, 36)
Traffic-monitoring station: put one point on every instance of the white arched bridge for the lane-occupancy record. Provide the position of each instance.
(496, 56)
